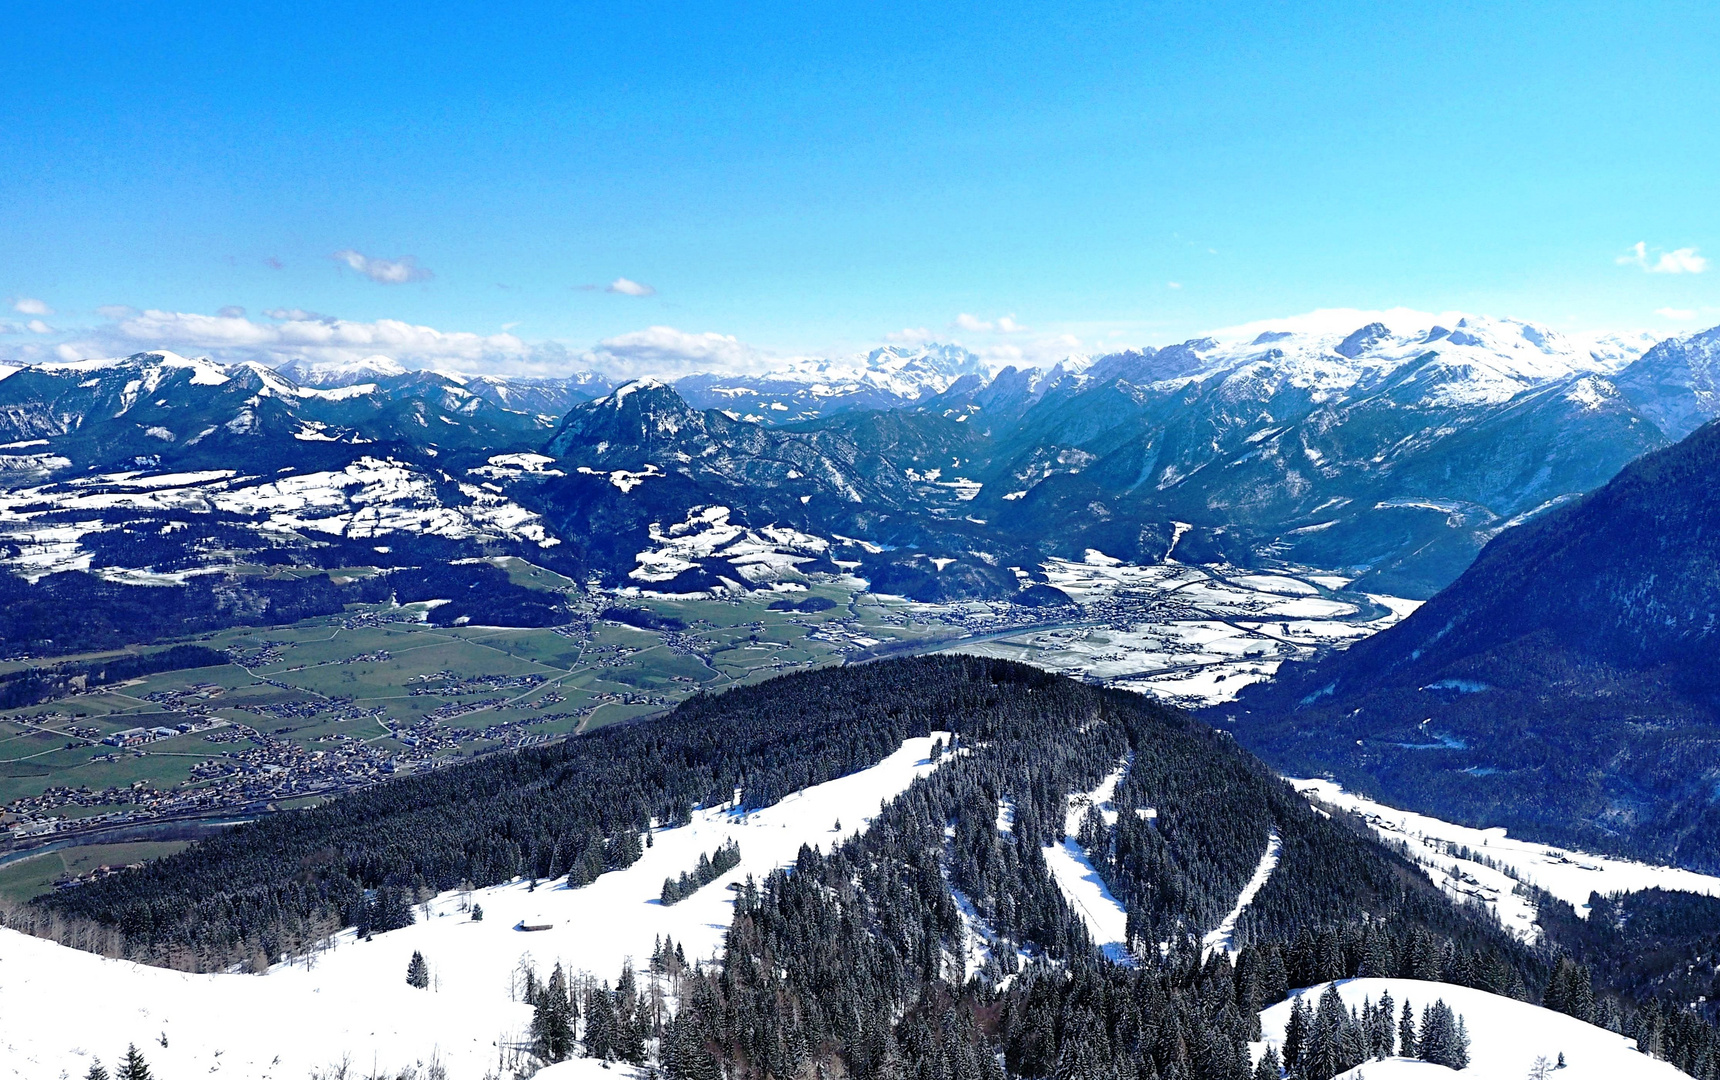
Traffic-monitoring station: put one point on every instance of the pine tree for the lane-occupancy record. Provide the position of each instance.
(552, 1019)
(1408, 1045)
(1296, 1033)
(1268, 1067)
(133, 1067)
(1384, 1038)
(97, 1072)
(477, 913)
(418, 972)
(1444, 1037)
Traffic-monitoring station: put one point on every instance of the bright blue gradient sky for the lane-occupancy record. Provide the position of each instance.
(810, 177)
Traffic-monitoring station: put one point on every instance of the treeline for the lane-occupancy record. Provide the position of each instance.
(710, 868)
(30, 686)
(78, 612)
(75, 611)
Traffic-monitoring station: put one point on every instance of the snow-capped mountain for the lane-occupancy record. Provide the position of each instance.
(890, 377)
(340, 372)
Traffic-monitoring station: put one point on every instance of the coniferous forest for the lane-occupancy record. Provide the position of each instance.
(855, 960)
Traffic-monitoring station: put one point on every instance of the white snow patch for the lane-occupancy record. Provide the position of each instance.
(1224, 937)
(1107, 920)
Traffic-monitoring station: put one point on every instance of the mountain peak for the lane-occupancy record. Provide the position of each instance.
(334, 373)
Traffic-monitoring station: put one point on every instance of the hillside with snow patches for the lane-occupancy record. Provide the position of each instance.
(1484, 866)
(348, 1000)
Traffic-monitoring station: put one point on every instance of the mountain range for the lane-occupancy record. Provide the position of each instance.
(1391, 451)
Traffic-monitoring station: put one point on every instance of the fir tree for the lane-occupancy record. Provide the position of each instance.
(552, 1019)
(133, 1067)
(418, 972)
(1268, 1067)
(1444, 1037)
(1408, 1044)
(599, 1024)
(1384, 1038)
(1296, 1033)
(477, 913)
(97, 1072)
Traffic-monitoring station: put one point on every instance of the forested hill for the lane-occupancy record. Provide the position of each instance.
(1564, 686)
(851, 962)
(579, 807)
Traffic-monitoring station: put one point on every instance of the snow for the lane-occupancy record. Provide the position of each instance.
(350, 1000)
(1224, 937)
(1569, 875)
(370, 497)
(766, 554)
(339, 393)
(1107, 920)
(1506, 1036)
(514, 466)
(1446, 359)
(1205, 632)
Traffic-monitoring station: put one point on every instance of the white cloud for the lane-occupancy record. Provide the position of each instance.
(234, 338)
(975, 325)
(384, 271)
(1042, 350)
(232, 311)
(26, 305)
(664, 350)
(1682, 260)
(627, 287)
(1173, 284)
(293, 314)
(1676, 314)
(37, 326)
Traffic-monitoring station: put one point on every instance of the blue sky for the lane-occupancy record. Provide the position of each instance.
(809, 178)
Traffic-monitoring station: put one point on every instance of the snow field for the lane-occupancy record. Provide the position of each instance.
(1506, 1036)
(1569, 875)
(349, 999)
(1224, 633)
(1224, 937)
(1107, 920)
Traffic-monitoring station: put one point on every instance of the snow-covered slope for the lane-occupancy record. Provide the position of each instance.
(1506, 1036)
(1107, 920)
(1571, 876)
(350, 1001)
(1449, 359)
